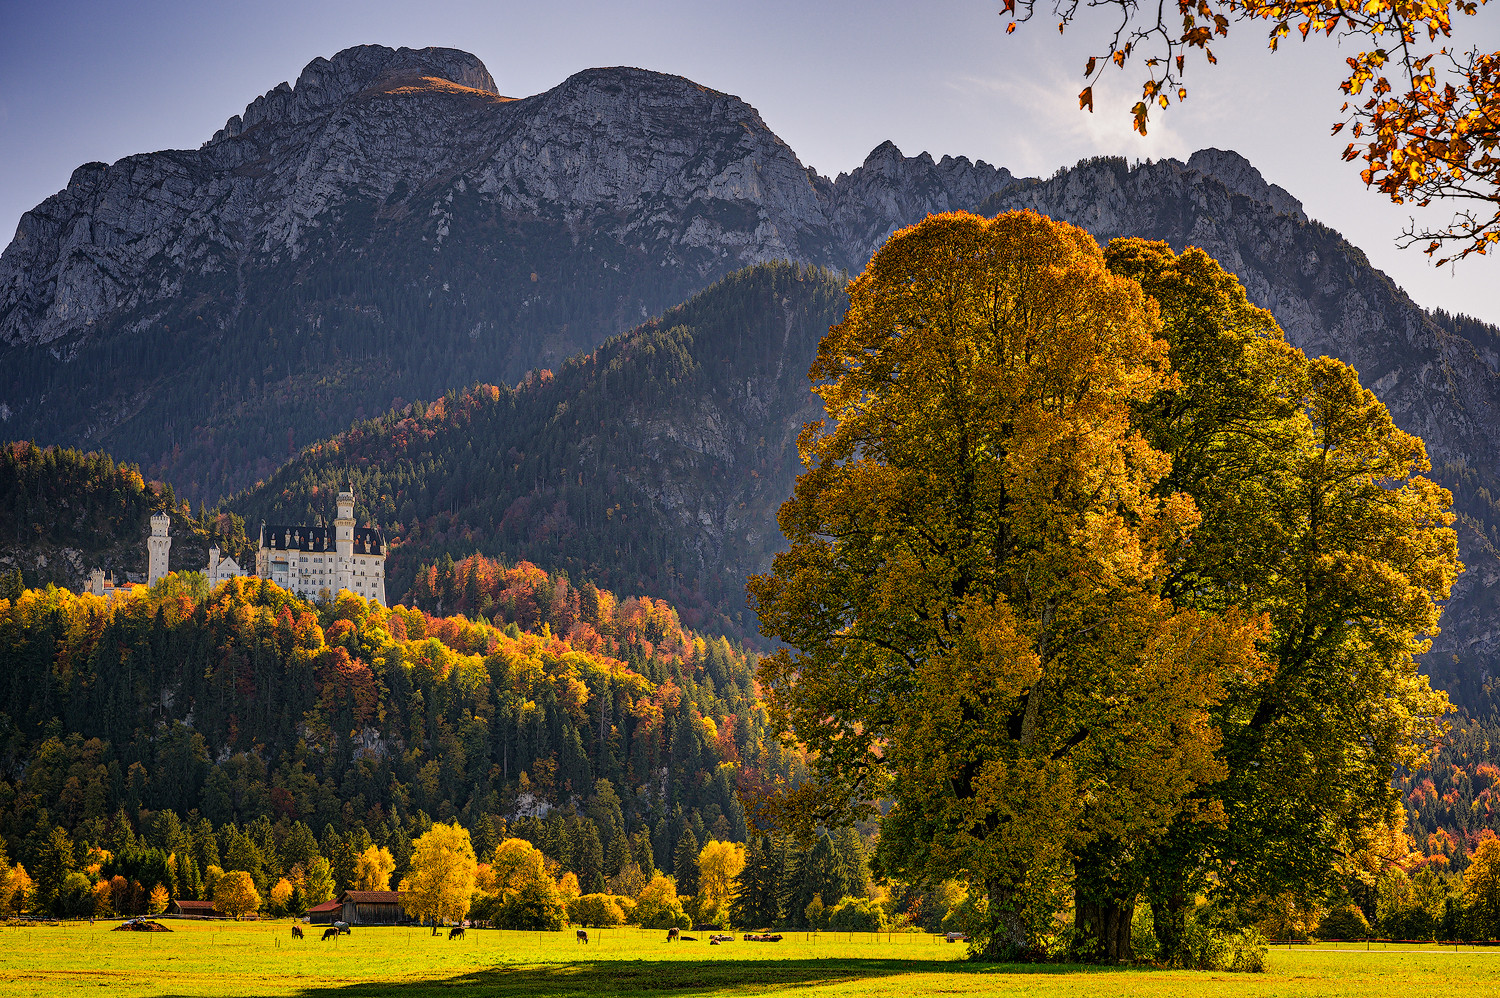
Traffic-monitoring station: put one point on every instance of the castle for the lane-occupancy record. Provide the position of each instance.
(308, 561)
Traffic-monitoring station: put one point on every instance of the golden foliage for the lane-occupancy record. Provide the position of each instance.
(234, 894)
(373, 869)
(443, 870)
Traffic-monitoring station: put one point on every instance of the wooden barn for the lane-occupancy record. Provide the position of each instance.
(373, 908)
(195, 909)
(326, 913)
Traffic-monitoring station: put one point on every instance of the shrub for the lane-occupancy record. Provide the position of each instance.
(1344, 922)
(595, 910)
(1412, 922)
(1246, 952)
(1143, 941)
(659, 907)
(857, 915)
(536, 906)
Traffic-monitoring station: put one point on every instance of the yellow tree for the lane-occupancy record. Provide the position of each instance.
(516, 863)
(281, 896)
(373, 869)
(1424, 111)
(159, 900)
(235, 894)
(968, 593)
(443, 869)
(1482, 890)
(719, 863)
(22, 890)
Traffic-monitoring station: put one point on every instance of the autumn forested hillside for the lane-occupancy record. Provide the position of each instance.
(249, 707)
(654, 464)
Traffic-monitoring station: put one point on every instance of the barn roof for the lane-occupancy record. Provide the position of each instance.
(333, 905)
(373, 897)
(206, 907)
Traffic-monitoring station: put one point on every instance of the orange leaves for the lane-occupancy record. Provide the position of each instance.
(1431, 132)
(1139, 113)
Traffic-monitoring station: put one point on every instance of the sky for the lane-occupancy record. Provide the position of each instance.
(96, 81)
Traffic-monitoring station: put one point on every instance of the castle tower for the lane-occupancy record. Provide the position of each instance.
(344, 525)
(157, 547)
(343, 539)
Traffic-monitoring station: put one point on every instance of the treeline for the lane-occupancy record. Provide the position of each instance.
(640, 630)
(247, 711)
(64, 513)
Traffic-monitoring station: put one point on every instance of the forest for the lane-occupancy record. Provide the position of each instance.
(248, 709)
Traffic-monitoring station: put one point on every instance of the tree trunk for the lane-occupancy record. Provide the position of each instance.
(1009, 932)
(1103, 927)
(1169, 918)
(1104, 893)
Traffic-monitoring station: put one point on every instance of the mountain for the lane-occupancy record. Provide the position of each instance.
(391, 228)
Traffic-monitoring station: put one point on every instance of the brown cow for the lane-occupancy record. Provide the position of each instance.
(457, 932)
(583, 936)
(297, 932)
(330, 933)
(673, 933)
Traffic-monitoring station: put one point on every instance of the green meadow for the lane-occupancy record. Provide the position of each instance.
(205, 960)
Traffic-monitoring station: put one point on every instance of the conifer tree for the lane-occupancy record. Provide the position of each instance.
(685, 863)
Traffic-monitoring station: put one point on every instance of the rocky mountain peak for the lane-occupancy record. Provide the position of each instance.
(1237, 174)
(325, 83)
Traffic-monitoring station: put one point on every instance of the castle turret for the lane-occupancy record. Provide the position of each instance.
(344, 525)
(158, 545)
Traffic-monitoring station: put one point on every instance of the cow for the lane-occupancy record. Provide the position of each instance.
(457, 932)
(689, 939)
(583, 936)
(329, 933)
(673, 933)
(297, 932)
(713, 940)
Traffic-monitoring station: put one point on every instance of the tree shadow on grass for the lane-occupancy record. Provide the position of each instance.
(676, 978)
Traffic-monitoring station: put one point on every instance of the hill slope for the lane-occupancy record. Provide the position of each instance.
(653, 464)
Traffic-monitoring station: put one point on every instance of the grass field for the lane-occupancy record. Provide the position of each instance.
(200, 960)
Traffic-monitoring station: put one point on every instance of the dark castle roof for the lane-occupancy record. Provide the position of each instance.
(279, 537)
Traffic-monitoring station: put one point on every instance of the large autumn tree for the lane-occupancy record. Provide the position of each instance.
(970, 593)
(443, 871)
(1315, 515)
